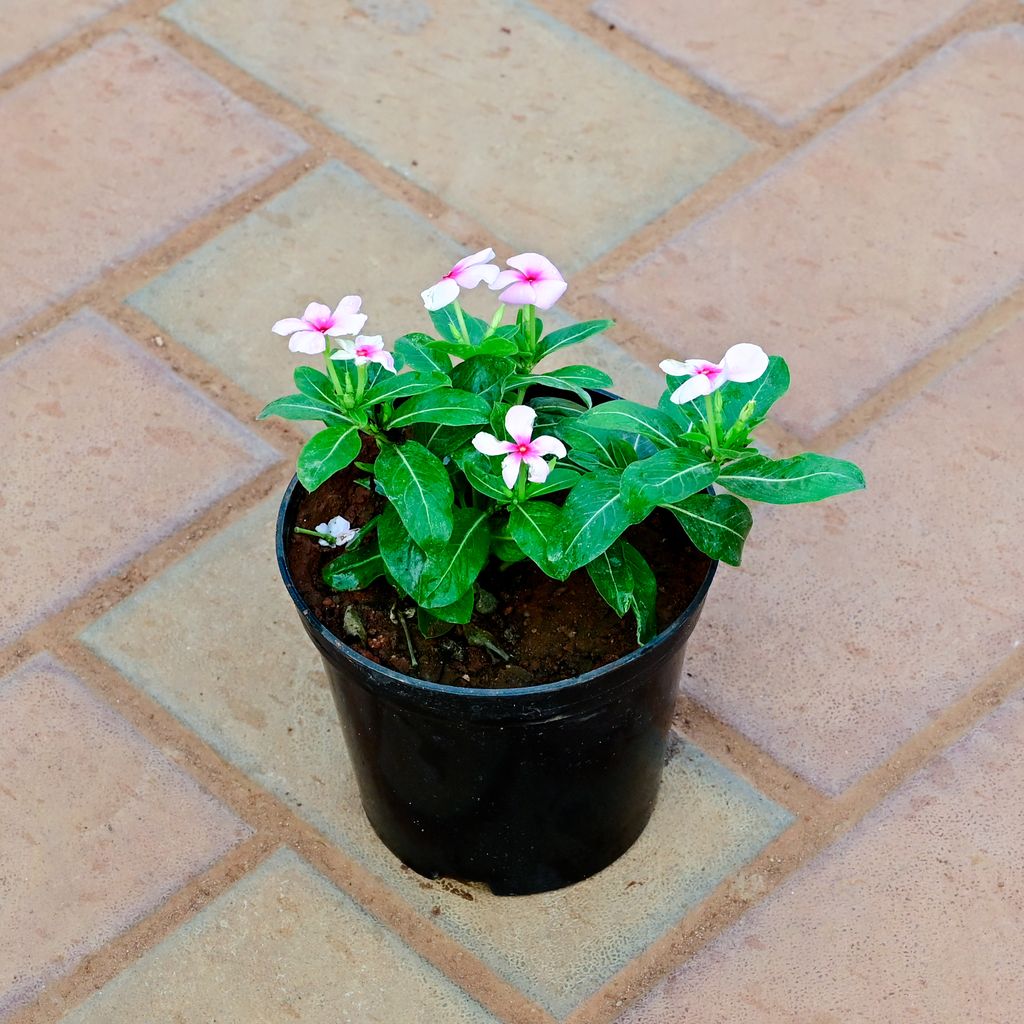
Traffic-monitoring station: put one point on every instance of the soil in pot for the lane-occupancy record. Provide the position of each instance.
(549, 629)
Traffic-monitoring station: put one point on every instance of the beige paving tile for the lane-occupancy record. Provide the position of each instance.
(917, 915)
(786, 58)
(866, 249)
(282, 945)
(505, 113)
(853, 622)
(292, 250)
(27, 25)
(97, 827)
(109, 152)
(267, 708)
(107, 452)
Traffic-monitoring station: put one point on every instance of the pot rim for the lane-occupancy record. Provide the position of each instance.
(512, 693)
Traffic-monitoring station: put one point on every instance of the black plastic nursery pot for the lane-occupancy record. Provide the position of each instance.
(525, 789)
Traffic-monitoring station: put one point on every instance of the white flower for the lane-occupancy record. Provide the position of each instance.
(340, 529)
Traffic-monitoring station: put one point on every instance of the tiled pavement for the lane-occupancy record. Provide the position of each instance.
(838, 834)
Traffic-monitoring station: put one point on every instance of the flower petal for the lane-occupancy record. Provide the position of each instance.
(522, 293)
(386, 359)
(505, 278)
(519, 423)
(488, 444)
(745, 362)
(346, 350)
(510, 469)
(439, 295)
(472, 276)
(289, 325)
(538, 471)
(349, 304)
(547, 293)
(347, 323)
(548, 445)
(535, 265)
(673, 368)
(692, 388)
(483, 256)
(316, 311)
(310, 342)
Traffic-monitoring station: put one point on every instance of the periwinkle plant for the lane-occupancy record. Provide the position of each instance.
(572, 477)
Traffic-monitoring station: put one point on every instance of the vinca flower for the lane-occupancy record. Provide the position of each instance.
(523, 447)
(534, 281)
(467, 273)
(363, 350)
(340, 529)
(742, 363)
(309, 332)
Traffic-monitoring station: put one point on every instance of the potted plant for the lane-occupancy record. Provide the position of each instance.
(501, 568)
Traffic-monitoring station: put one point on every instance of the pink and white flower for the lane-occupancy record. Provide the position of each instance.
(309, 332)
(467, 273)
(363, 350)
(340, 529)
(742, 363)
(534, 281)
(523, 447)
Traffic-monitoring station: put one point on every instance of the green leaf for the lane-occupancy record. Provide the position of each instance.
(402, 385)
(763, 392)
(314, 384)
(404, 559)
(717, 524)
(483, 375)
(446, 323)
(302, 407)
(560, 478)
(354, 570)
(504, 546)
(571, 335)
(594, 516)
(460, 611)
(451, 570)
(417, 484)
(326, 453)
(633, 418)
(577, 379)
(448, 406)
(417, 355)
(483, 474)
(688, 415)
(644, 596)
(612, 578)
(492, 346)
(442, 440)
(667, 476)
(807, 477)
(430, 626)
(531, 524)
(607, 448)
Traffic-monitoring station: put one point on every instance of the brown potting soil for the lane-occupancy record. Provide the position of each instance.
(549, 629)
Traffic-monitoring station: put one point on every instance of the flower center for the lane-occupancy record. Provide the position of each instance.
(322, 325)
(523, 449)
(364, 351)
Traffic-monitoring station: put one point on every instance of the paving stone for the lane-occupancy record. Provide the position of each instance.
(111, 454)
(786, 58)
(97, 827)
(854, 621)
(293, 250)
(110, 152)
(27, 26)
(505, 113)
(269, 711)
(862, 252)
(918, 914)
(283, 944)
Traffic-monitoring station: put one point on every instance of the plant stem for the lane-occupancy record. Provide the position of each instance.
(315, 533)
(709, 407)
(360, 382)
(332, 372)
(531, 327)
(521, 482)
(462, 321)
(408, 639)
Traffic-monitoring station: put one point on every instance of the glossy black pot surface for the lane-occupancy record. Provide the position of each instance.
(525, 789)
